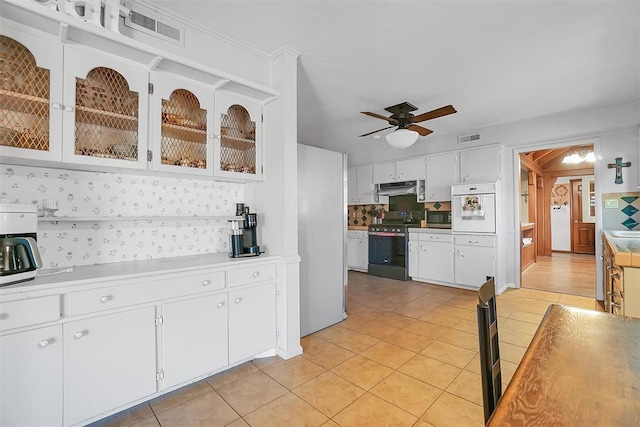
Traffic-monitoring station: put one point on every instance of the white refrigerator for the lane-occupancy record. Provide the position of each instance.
(322, 215)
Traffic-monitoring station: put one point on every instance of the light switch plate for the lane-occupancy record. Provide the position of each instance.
(611, 204)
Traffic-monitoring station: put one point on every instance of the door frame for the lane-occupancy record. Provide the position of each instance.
(515, 199)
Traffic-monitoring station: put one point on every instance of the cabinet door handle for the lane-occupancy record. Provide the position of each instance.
(220, 304)
(56, 106)
(212, 136)
(474, 241)
(435, 237)
(615, 304)
(237, 300)
(460, 253)
(106, 298)
(43, 343)
(256, 273)
(79, 334)
(68, 108)
(206, 282)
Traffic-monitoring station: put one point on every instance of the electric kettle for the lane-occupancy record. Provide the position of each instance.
(18, 255)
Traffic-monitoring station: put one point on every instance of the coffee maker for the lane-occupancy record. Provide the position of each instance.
(243, 233)
(19, 256)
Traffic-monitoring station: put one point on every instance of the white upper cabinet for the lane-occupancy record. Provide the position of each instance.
(359, 185)
(238, 137)
(30, 96)
(401, 170)
(365, 185)
(352, 186)
(105, 110)
(480, 164)
(182, 123)
(384, 173)
(442, 172)
(410, 169)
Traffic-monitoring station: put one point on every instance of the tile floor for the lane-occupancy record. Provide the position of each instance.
(407, 355)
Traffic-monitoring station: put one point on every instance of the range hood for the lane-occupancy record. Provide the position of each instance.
(397, 188)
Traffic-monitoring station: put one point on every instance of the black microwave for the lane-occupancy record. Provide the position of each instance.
(438, 219)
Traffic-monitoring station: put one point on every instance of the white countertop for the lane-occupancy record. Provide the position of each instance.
(431, 230)
(129, 270)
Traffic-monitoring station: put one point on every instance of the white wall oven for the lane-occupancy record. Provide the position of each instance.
(473, 208)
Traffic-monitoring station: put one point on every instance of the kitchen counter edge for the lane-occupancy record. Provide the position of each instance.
(89, 274)
(626, 251)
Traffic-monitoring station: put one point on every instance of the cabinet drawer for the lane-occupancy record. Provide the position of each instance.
(253, 274)
(107, 298)
(356, 234)
(433, 237)
(16, 314)
(470, 240)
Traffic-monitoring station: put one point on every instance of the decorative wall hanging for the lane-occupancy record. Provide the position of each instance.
(618, 165)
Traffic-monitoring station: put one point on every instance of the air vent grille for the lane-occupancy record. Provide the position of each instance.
(168, 31)
(153, 23)
(467, 139)
(143, 21)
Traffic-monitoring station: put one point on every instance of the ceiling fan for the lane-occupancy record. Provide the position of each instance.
(402, 117)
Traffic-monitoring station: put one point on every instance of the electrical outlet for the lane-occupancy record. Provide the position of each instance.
(611, 204)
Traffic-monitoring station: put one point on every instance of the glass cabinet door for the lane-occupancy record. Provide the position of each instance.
(238, 144)
(30, 96)
(182, 124)
(109, 101)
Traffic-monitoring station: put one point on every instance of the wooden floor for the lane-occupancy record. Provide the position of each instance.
(566, 273)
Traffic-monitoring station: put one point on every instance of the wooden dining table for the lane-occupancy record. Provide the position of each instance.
(582, 368)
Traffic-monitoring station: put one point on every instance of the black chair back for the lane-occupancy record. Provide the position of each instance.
(489, 347)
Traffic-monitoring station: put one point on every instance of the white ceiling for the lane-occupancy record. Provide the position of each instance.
(494, 61)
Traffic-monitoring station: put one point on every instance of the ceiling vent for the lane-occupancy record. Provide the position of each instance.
(468, 139)
(148, 21)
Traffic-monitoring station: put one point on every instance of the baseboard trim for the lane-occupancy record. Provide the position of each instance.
(296, 351)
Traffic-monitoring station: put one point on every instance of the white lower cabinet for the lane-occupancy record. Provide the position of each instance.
(435, 262)
(475, 259)
(357, 250)
(109, 361)
(252, 321)
(108, 347)
(31, 378)
(194, 338)
(413, 257)
(431, 257)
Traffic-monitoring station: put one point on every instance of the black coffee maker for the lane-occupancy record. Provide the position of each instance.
(243, 233)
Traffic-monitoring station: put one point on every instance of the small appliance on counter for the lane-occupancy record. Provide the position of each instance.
(19, 256)
(438, 219)
(243, 233)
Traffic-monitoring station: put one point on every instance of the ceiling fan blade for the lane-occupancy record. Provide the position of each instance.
(375, 131)
(422, 131)
(379, 116)
(439, 112)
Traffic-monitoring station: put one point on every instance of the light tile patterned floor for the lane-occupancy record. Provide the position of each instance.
(406, 356)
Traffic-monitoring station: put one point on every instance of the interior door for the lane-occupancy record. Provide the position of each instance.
(583, 236)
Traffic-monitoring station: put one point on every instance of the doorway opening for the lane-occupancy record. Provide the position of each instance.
(557, 220)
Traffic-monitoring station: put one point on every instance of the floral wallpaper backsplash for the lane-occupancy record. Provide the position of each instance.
(106, 197)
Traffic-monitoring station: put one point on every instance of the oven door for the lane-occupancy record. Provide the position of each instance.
(388, 255)
(482, 220)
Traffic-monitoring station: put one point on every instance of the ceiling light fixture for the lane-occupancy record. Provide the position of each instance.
(581, 156)
(402, 138)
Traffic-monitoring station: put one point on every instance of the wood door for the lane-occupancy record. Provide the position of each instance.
(583, 236)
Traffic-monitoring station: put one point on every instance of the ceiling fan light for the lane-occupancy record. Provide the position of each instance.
(402, 138)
